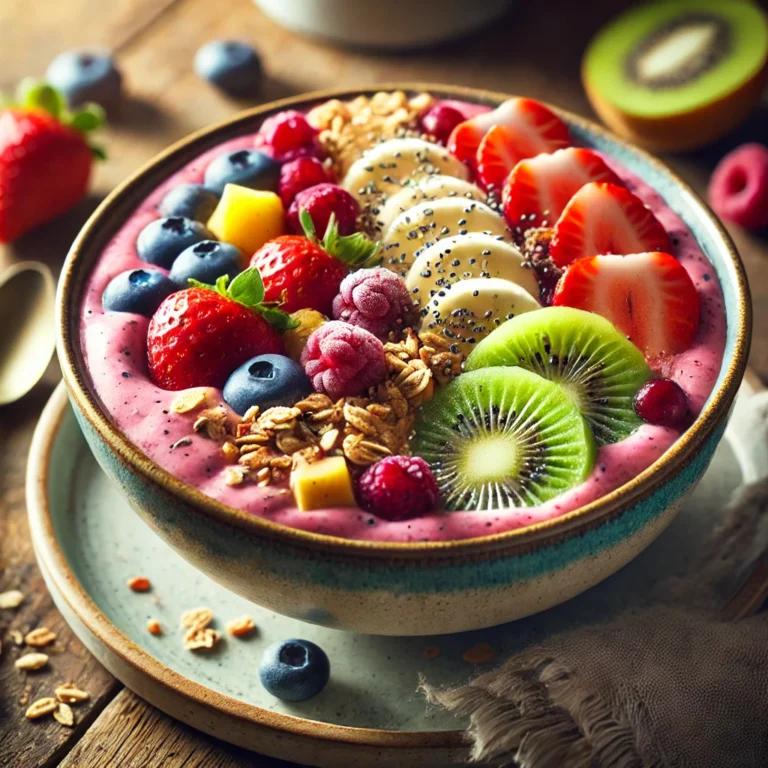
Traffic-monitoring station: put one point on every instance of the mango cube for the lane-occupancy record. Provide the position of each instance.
(320, 484)
(247, 218)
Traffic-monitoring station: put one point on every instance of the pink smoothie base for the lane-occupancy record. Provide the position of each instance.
(114, 345)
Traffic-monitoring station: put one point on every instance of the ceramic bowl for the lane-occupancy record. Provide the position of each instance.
(394, 588)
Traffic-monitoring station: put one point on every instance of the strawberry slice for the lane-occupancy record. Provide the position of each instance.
(533, 128)
(539, 188)
(648, 296)
(605, 218)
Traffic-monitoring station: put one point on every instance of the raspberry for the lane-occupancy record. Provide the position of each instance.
(287, 135)
(738, 189)
(374, 299)
(398, 488)
(321, 201)
(440, 121)
(299, 174)
(662, 402)
(343, 360)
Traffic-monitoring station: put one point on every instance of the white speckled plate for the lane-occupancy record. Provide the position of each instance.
(89, 542)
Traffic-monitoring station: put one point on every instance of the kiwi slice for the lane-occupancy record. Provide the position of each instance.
(680, 73)
(503, 437)
(596, 366)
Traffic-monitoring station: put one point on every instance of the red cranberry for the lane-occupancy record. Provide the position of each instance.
(662, 402)
(440, 120)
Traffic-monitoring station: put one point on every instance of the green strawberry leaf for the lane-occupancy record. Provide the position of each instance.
(247, 288)
(36, 94)
(89, 118)
(282, 321)
(98, 152)
(354, 250)
(307, 225)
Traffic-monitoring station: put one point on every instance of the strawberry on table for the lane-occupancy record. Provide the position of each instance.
(539, 188)
(650, 297)
(304, 273)
(45, 159)
(494, 142)
(604, 218)
(198, 336)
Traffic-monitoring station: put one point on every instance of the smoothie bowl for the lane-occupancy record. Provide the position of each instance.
(407, 360)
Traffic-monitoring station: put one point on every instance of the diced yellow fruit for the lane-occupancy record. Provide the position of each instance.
(247, 218)
(324, 483)
(295, 339)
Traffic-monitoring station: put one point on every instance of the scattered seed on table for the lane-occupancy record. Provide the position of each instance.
(40, 637)
(31, 661)
(11, 599)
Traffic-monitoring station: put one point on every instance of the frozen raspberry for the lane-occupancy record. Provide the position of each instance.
(299, 174)
(738, 189)
(398, 488)
(321, 201)
(343, 360)
(440, 121)
(374, 299)
(662, 402)
(286, 136)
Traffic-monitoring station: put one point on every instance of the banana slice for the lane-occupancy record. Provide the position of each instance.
(384, 168)
(464, 257)
(432, 220)
(467, 311)
(426, 188)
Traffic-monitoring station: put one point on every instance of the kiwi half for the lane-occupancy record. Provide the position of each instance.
(503, 437)
(597, 367)
(678, 74)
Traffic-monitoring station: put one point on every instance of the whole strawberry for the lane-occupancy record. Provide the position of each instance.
(198, 336)
(45, 160)
(302, 273)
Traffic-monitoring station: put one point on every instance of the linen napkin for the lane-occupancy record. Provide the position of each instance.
(668, 681)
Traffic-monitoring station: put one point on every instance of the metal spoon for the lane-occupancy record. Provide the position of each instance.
(27, 335)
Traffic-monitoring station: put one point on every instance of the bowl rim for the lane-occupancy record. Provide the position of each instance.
(519, 540)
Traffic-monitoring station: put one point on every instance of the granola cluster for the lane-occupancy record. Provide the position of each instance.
(265, 445)
(347, 129)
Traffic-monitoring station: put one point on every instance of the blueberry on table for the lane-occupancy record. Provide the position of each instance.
(205, 261)
(230, 65)
(244, 167)
(162, 240)
(140, 291)
(192, 201)
(294, 670)
(266, 381)
(83, 76)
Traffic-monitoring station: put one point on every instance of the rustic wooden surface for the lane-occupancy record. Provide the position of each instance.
(535, 51)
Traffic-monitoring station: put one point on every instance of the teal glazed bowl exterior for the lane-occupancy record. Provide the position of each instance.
(398, 588)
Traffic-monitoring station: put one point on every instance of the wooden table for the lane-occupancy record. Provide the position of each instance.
(535, 51)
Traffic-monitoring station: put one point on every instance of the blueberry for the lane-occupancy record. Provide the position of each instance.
(161, 241)
(245, 167)
(85, 76)
(140, 291)
(192, 201)
(230, 65)
(205, 261)
(266, 381)
(294, 670)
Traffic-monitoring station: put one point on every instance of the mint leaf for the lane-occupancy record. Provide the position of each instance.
(354, 250)
(282, 321)
(247, 288)
(35, 94)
